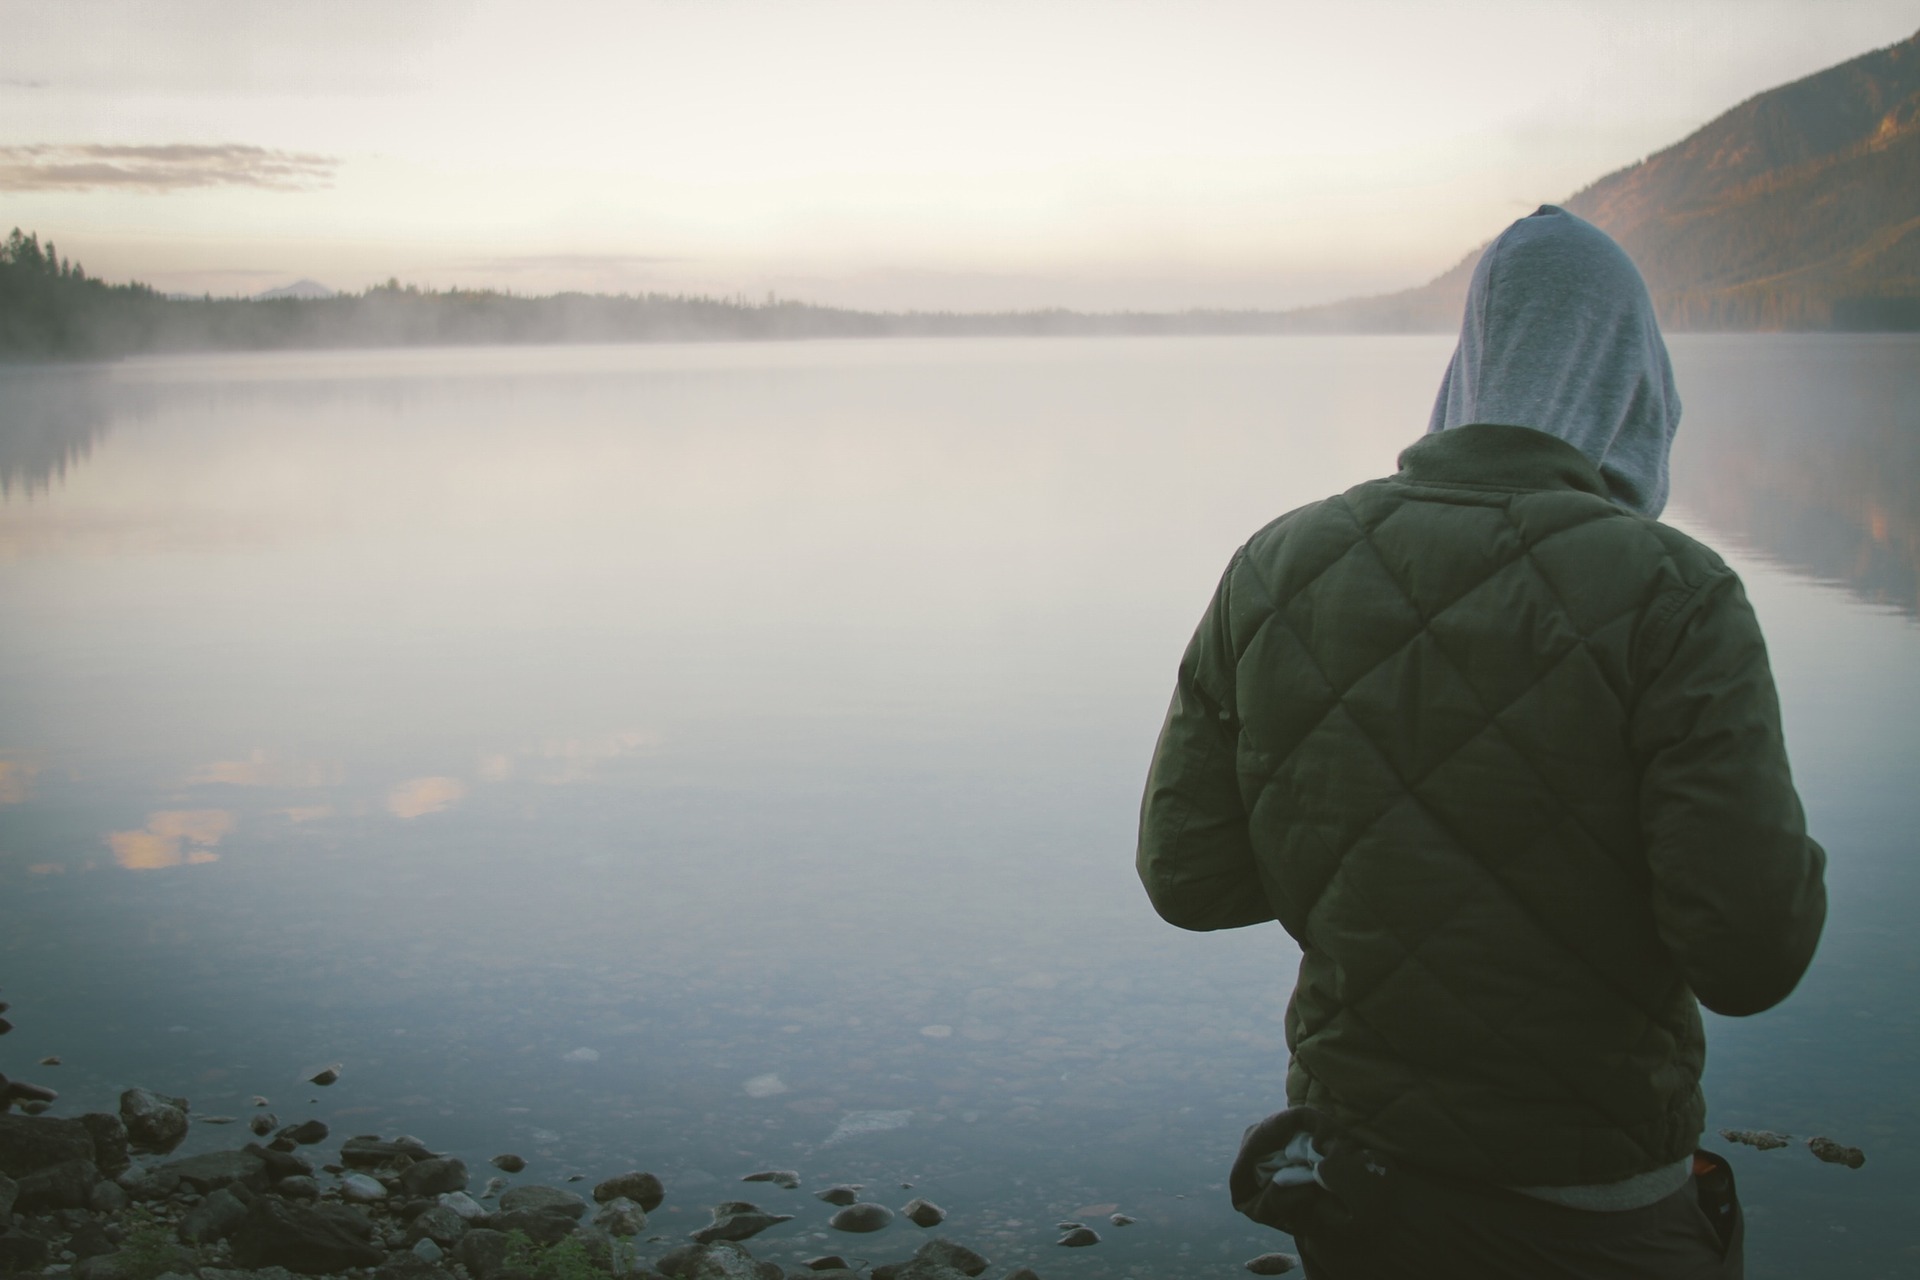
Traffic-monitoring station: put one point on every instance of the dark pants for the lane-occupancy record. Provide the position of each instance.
(1433, 1227)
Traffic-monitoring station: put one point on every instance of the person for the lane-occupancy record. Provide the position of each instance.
(1503, 754)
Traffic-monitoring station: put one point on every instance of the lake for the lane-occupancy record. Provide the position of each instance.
(711, 758)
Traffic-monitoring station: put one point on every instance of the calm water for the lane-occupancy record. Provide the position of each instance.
(770, 722)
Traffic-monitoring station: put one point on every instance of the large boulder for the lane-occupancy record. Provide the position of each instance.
(62, 1186)
(155, 1122)
(31, 1143)
(282, 1233)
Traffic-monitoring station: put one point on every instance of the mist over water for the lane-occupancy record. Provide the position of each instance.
(770, 721)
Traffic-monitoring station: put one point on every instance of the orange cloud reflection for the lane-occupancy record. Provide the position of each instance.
(16, 780)
(170, 838)
(264, 769)
(417, 797)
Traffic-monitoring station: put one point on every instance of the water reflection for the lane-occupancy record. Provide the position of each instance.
(50, 420)
(172, 838)
(418, 797)
(1813, 462)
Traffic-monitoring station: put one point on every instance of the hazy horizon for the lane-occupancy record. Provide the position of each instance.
(974, 156)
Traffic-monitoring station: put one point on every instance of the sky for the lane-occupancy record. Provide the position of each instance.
(891, 154)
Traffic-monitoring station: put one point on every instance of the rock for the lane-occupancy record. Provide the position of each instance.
(621, 1217)
(1272, 1264)
(155, 1122)
(280, 1233)
(787, 1178)
(280, 1164)
(539, 1199)
(469, 1209)
(369, 1151)
(1023, 1273)
(1121, 1220)
(89, 1240)
(947, 1253)
(737, 1220)
(263, 1123)
(9, 1190)
(21, 1253)
(298, 1188)
(923, 1213)
(427, 1251)
(826, 1262)
(359, 1188)
(306, 1133)
(1759, 1139)
(106, 1197)
(325, 1076)
(722, 1260)
(643, 1189)
(842, 1194)
(439, 1224)
(214, 1218)
(432, 1177)
(30, 1143)
(918, 1269)
(1079, 1238)
(541, 1228)
(1833, 1153)
(204, 1173)
(482, 1252)
(109, 1134)
(861, 1218)
(66, 1185)
(493, 1186)
(509, 1163)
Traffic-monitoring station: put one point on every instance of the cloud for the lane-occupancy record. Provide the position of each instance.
(161, 843)
(171, 167)
(598, 262)
(417, 797)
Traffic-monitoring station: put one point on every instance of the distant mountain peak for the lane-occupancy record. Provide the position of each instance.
(302, 288)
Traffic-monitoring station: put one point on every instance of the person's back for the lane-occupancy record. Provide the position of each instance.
(1503, 755)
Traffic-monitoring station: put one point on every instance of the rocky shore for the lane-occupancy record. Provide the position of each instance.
(99, 1197)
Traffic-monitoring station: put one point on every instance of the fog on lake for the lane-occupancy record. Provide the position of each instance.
(769, 722)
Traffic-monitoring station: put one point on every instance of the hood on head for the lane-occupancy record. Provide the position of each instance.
(1560, 336)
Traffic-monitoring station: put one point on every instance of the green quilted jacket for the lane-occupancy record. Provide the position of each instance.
(1505, 759)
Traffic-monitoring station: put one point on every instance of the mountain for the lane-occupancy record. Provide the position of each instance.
(298, 289)
(1797, 209)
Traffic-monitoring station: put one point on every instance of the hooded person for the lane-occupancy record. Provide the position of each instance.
(1503, 754)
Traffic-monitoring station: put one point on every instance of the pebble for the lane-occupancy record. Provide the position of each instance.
(826, 1262)
(861, 1218)
(509, 1162)
(779, 1177)
(1272, 1264)
(1834, 1153)
(263, 1123)
(1122, 1220)
(492, 1188)
(51, 1060)
(325, 1076)
(1079, 1238)
(257, 1101)
(841, 1193)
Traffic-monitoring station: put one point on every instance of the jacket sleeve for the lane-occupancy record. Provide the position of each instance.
(1194, 856)
(1738, 889)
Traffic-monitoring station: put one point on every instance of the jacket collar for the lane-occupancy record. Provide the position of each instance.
(1489, 456)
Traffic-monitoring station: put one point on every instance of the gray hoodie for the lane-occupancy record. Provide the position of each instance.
(1560, 335)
